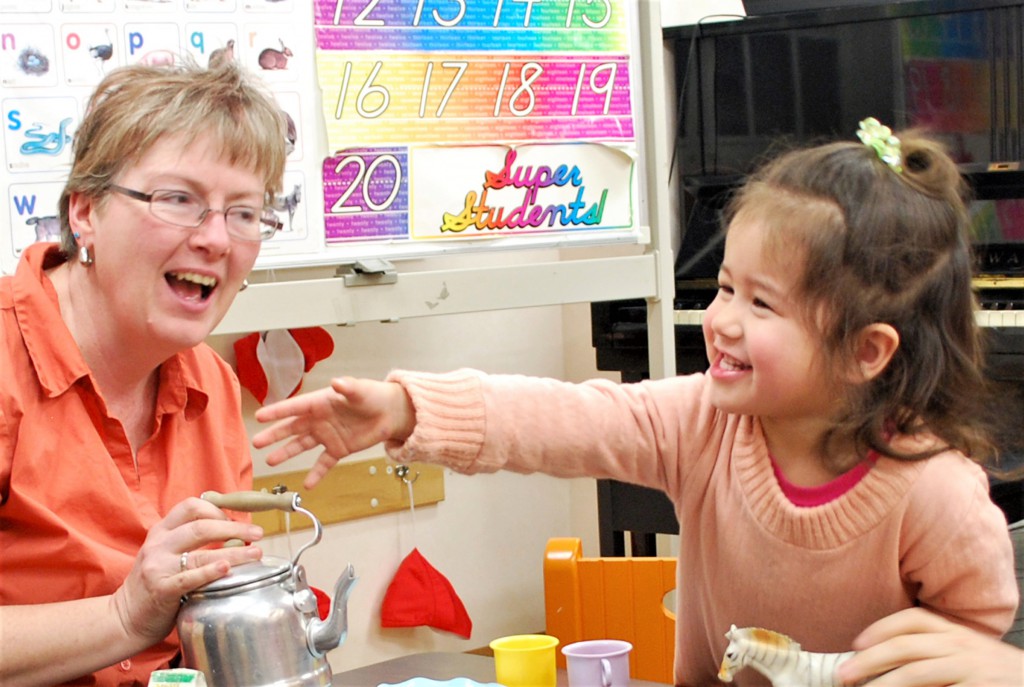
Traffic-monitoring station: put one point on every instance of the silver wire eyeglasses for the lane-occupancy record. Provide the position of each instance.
(183, 209)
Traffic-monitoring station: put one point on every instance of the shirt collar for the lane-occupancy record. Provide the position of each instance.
(54, 353)
(179, 387)
(58, 362)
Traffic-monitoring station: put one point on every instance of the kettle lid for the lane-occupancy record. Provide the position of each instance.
(248, 573)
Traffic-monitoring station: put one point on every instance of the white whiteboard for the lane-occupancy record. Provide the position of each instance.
(436, 91)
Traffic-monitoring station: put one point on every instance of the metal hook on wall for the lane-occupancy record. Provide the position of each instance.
(402, 472)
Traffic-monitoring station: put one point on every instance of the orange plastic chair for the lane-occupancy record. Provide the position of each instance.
(611, 598)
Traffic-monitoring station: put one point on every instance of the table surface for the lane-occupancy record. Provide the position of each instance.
(436, 666)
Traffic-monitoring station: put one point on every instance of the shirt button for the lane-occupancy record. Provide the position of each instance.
(126, 665)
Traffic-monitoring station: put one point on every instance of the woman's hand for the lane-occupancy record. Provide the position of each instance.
(60, 641)
(351, 415)
(917, 648)
(181, 553)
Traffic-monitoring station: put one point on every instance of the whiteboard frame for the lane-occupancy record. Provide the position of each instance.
(404, 249)
(297, 302)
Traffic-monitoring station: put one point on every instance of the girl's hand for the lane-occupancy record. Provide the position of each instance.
(351, 415)
(917, 648)
(148, 600)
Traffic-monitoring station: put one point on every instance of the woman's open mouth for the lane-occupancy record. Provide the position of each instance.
(191, 286)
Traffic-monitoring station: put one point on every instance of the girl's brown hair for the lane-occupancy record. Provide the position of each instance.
(882, 246)
(135, 106)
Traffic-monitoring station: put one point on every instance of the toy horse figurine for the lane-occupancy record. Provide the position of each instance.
(778, 658)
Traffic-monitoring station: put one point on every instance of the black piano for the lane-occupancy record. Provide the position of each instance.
(799, 72)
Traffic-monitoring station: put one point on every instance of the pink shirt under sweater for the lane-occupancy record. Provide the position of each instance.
(820, 495)
(907, 533)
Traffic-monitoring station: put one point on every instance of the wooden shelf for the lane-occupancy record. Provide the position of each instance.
(350, 490)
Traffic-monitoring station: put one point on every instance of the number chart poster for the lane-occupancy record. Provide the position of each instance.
(53, 53)
(470, 119)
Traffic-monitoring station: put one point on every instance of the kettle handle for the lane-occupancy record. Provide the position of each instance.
(254, 501)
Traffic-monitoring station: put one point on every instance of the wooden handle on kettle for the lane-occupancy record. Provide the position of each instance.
(252, 501)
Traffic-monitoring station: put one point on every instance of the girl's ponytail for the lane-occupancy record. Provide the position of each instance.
(928, 169)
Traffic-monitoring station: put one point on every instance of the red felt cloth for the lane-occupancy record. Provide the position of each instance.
(420, 595)
(258, 366)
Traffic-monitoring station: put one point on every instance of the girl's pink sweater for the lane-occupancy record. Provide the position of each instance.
(908, 533)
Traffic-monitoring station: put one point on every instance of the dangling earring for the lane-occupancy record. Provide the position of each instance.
(84, 256)
(83, 252)
(245, 285)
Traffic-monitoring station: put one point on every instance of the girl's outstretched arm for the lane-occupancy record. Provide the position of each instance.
(920, 649)
(349, 416)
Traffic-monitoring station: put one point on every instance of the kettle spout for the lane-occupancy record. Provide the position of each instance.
(324, 635)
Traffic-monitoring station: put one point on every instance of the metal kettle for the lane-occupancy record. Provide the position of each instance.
(259, 626)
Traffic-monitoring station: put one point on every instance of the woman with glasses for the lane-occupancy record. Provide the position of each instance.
(114, 415)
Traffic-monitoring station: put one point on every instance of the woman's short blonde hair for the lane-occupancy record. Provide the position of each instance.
(135, 106)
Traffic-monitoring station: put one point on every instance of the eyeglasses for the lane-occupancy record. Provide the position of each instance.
(183, 209)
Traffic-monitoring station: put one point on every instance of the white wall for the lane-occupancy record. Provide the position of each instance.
(488, 535)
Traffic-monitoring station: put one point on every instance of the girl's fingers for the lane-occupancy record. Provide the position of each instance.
(303, 405)
(907, 622)
(928, 673)
(884, 657)
(282, 429)
(286, 408)
(322, 466)
(275, 433)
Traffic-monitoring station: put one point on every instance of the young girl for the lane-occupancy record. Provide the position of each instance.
(818, 467)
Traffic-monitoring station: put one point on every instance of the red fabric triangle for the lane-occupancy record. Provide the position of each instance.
(250, 372)
(316, 344)
(420, 595)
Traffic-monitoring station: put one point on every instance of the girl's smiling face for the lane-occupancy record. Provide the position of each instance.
(765, 358)
(156, 282)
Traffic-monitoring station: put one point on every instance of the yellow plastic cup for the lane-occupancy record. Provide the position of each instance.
(525, 660)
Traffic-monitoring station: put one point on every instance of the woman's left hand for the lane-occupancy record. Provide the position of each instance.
(177, 557)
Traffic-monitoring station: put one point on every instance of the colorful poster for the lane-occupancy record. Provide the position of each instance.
(54, 52)
(401, 113)
(426, 103)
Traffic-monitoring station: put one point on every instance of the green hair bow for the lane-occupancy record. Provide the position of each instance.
(878, 136)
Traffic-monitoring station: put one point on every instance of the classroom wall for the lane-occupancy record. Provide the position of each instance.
(488, 535)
